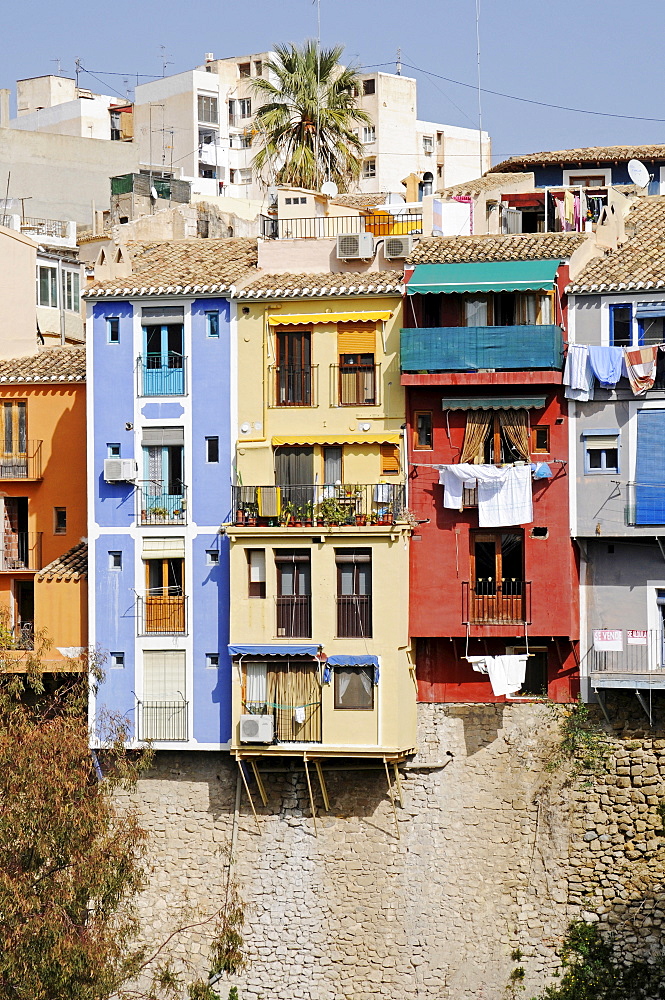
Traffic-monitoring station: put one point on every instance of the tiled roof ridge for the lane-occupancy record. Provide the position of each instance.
(581, 154)
(71, 565)
(500, 246)
(291, 285)
(52, 364)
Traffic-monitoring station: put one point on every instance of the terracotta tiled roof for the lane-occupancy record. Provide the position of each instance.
(72, 565)
(52, 364)
(469, 188)
(639, 263)
(360, 200)
(266, 286)
(175, 266)
(581, 157)
(526, 246)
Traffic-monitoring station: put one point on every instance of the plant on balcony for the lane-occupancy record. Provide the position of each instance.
(161, 513)
(331, 511)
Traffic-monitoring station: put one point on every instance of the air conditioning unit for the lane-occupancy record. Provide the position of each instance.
(257, 728)
(396, 247)
(120, 470)
(355, 246)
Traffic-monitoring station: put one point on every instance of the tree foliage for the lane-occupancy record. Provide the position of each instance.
(306, 123)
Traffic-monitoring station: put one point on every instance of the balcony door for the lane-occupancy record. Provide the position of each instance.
(294, 474)
(294, 590)
(294, 368)
(163, 453)
(14, 461)
(163, 372)
(164, 601)
(497, 570)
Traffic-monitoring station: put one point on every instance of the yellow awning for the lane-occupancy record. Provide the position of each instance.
(387, 437)
(280, 319)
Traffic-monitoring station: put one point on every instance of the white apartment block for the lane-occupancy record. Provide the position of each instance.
(55, 104)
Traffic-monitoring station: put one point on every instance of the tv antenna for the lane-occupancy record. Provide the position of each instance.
(480, 106)
(58, 63)
(165, 60)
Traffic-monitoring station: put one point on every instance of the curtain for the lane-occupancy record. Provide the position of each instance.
(478, 426)
(475, 311)
(256, 687)
(292, 686)
(515, 427)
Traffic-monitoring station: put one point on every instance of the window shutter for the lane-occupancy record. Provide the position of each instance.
(356, 338)
(160, 436)
(389, 459)
(163, 548)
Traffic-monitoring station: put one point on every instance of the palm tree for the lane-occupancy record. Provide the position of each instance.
(306, 123)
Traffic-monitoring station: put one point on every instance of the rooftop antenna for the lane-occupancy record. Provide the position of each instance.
(480, 107)
(398, 67)
(58, 64)
(165, 61)
(78, 72)
(318, 91)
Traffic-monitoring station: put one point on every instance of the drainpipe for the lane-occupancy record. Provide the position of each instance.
(61, 301)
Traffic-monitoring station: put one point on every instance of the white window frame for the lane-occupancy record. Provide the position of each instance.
(570, 175)
(369, 134)
(428, 144)
(200, 117)
(52, 285)
(368, 173)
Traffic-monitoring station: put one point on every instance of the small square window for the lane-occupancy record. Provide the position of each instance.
(601, 453)
(117, 661)
(287, 201)
(113, 450)
(59, 520)
(212, 324)
(369, 87)
(540, 439)
(115, 559)
(212, 557)
(369, 167)
(113, 329)
(212, 661)
(212, 449)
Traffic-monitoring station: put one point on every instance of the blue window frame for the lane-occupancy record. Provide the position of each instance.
(212, 324)
(621, 325)
(164, 363)
(112, 330)
(650, 469)
(601, 451)
(113, 450)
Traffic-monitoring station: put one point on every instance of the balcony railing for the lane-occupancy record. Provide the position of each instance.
(486, 348)
(20, 636)
(331, 226)
(21, 550)
(316, 505)
(158, 614)
(294, 616)
(23, 464)
(354, 616)
(162, 720)
(355, 385)
(162, 508)
(162, 374)
(496, 602)
(643, 653)
(293, 385)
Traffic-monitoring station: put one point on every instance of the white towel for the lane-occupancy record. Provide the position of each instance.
(506, 501)
(577, 374)
(383, 493)
(506, 673)
(455, 479)
(299, 715)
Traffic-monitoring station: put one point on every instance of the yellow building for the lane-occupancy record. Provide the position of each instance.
(319, 531)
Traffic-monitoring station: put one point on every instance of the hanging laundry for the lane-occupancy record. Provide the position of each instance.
(541, 470)
(299, 715)
(506, 673)
(455, 479)
(606, 363)
(576, 213)
(584, 208)
(504, 494)
(577, 374)
(569, 210)
(641, 368)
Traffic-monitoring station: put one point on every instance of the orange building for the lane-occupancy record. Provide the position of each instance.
(43, 551)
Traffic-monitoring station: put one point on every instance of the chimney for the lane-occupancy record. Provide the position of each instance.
(209, 57)
(4, 108)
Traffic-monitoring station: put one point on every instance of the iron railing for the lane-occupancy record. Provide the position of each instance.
(44, 227)
(22, 464)
(161, 615)
(330, 226)
(354, 616)
(316, 505)
(496, 602)
(162, 720)
(20, 636)
(21, 550)
(294, 616)
(293, 385)
(162, 374)
(643, 652)
(355, 385)
(161, 508)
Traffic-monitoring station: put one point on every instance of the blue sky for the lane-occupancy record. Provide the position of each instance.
(600, 56)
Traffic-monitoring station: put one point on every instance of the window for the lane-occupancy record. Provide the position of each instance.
(241, 176)
(390, 463)
(112, 330)
(244, 70)
(354, 688)
(212, 557)
(621, 325)
(117, 661)
(293, 372)
(258, 68)
(206, 171)
(207, 109)
(163, 362)
(164, 605)
(428, 144)
(369, 167)
(212, 661)
(244, 107)
(113, 450)
(369, 133)
(59, 520)
(369, 87)
(601, 451)
(332, 465)
(245, 141)
(540, 439)
(256, 572)
(587, 178)
(13, 458)
(422, 430)
(287, 201)
(357, 380)
(71, 291)
(212, 449)
(496, 436)
(354, 592)
(535, 679)
(294, 589)
(47, 286)
(163, 711)
(115, 560)
(289, 691)
(498, 591)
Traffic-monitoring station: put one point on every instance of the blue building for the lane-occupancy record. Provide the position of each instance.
(590, 167)
(161, 432)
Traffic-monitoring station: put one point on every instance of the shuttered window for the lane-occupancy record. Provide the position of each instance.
(356, 338)
(389, 459)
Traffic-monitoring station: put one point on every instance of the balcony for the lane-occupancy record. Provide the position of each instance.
(293, 385)
(641, 662)
(331, 226)
(22, 464)
(354, 616)
(355, 385)
(21, 550)
(162, 720)
(318, 506)
(161, 374)
(481, 348)
(294, 617)
(161, 614)
(494, 602)
(162, 508)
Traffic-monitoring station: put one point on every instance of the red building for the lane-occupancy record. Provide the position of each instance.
(482, 366)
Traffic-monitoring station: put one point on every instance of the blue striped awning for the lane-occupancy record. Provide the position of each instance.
(302, 649)
(353, 661)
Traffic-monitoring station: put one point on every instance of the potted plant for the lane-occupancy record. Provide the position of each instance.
(331, 511)
(161, 513)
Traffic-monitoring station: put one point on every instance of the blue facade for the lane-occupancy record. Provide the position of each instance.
(551, 175)
(160, 594)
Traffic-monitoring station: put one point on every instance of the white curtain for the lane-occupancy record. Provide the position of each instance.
(475, 311)
(256, 684)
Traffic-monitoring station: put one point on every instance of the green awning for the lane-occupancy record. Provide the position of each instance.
(484, 276)
(493, 402)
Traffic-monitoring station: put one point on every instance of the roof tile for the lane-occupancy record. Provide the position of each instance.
(72, 565)
(308, 285)
(525, 246)
(53, 364)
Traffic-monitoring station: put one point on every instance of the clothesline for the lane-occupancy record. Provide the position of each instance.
(587, 362)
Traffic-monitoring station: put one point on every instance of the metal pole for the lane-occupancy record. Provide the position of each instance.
(480, 107)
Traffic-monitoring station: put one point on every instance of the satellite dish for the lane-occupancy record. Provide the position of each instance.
(153, 193)
(394, 199)
(638, 173)
(330, 189)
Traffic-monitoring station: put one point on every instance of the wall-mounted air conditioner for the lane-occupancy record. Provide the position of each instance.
(355, 246)
(120, 470)
(396, 247)
(256, 728)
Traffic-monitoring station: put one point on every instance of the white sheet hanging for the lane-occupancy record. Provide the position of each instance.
(504, 494)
